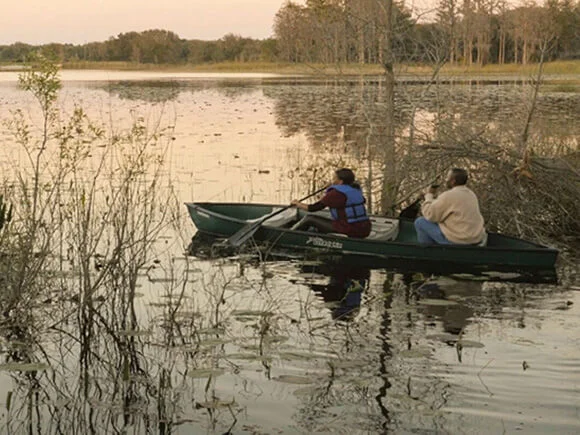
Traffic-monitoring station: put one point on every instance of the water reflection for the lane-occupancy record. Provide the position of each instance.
(162, 91)
(151, 92)
(354, 111)
(224, 342)
(210, 247)
(267, 342)
(351, 112)
(344, 290)
(443, 299)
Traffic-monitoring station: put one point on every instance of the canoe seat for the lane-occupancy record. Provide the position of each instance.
(384, 229)
(280, 219)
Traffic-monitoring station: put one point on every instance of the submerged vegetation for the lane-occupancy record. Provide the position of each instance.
(87, 201)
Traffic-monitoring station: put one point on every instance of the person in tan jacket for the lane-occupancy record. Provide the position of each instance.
(453, 217)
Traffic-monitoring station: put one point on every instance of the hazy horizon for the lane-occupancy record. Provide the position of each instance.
(65, 21)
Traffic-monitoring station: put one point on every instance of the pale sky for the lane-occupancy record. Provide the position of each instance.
(80, 21)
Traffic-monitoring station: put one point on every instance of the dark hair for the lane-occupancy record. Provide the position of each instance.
(347, 177)
(460, 176)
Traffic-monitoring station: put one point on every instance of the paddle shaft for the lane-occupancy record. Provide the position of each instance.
(248, 230)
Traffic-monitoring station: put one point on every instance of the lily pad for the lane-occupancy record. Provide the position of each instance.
(250, 313)
(451, 339)
(304, 392)
(416, 352)
(526, 342)
(306, 356)
(249, 357)
(275, 339)
(469, 276)
(215, 404)
(297, 356)
(250, 347)
(470, 343)
(213, 342)
(502, 275)
(349, 364)
(208, 331)
(292, 379)
(205, 373)
(245, 319)
(437, 302)
(443, 337)
(310, 263)
(23, 367)
(455, 298)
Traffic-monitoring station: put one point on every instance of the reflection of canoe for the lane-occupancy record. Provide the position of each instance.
(391, 238)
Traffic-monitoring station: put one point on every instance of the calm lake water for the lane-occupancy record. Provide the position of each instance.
(234, 345)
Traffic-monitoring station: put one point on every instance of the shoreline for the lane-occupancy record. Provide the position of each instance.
(564, 75)
(571, 67)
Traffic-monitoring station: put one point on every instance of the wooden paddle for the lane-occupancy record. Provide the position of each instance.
(248, 230)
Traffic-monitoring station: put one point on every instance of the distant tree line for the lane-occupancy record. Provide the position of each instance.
(353, 31)
(463, 31)
(152, 47)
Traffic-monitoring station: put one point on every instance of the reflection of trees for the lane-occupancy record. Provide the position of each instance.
(326, 111)
(153, 92)
(385, 380)
(132, 361)
(161, 91)
(378, 381)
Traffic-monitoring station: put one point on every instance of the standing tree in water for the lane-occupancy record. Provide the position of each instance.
(389, 190)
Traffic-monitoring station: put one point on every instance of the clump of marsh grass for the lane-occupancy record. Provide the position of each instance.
(88, 202)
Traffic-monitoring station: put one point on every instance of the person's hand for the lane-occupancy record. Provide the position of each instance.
(294, 202)
(432, 190)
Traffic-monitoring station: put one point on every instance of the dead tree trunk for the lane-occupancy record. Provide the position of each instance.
(388, 192)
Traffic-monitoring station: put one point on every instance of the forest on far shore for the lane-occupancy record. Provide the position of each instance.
(467, 32)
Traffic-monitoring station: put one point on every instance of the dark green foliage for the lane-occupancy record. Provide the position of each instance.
(149, 47)
(329, 31)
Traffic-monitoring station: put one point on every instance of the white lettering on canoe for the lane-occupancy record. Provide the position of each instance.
(320, 242)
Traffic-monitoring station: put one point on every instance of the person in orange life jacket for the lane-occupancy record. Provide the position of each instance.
(347, 208)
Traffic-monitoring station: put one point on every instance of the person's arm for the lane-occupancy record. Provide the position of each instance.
(332, 198)
(435, 209)
(309, 207)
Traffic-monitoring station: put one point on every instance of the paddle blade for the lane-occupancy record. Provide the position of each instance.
(243, 235)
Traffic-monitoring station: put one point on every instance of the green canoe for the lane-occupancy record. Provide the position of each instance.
(391, 238)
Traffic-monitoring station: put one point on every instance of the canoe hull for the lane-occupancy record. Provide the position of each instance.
(222, 220)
